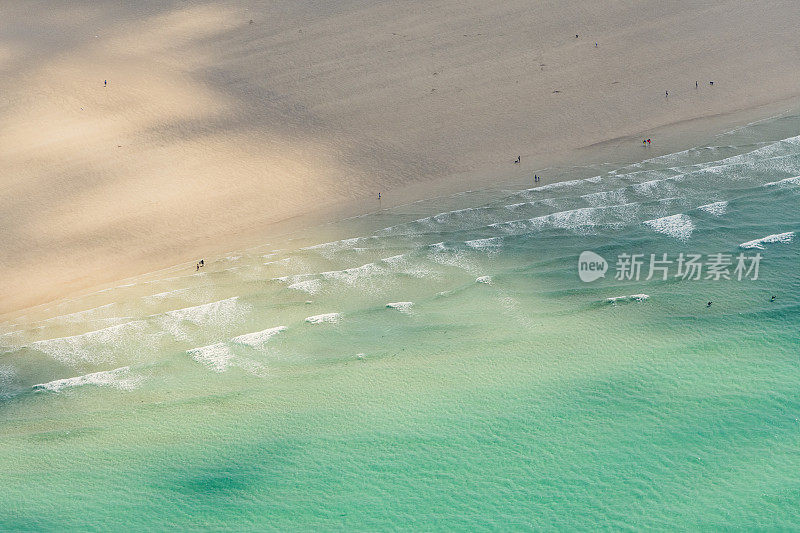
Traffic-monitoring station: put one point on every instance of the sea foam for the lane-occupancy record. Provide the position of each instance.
(311, 286)
(784, 182)
(330, 318)
(119, 378)
(220, 314)
(629, 298)
(403, 307)
(679, 226)
(91, 347)
(219, 357)
(717, 208)
(258, 338)
(777, 238)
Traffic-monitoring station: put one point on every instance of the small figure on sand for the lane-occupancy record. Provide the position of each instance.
(711, 83)
(202, 263)
(648, 142)
(379, 196)
(519, 158)
(595, 44)
(105, 83)
(576, 35)
(695, 85)
(535, 178)
(666, 94)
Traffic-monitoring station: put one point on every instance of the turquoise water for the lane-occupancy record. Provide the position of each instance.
(278, 388)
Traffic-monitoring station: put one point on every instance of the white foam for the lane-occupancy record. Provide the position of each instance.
(221, 310)
(331, 318)
(679, 226)
(403, 264)
(717, 208)
(582, 220)
(485, 244)
(395, 259)
(258, 338)
(6, 375)
(119, 378)
(93, 347)
(219, 358)
(599, 199)
(329, 249)
(629, 298)
(777, 238)
(657, 188)
(561, 184)
(284, 260)
(400, 306)
(447, 255)
(484, 279)
(354, 275)
(784, 182)
(311, 286)
(222, 314)
(11, 341)
(459, 217)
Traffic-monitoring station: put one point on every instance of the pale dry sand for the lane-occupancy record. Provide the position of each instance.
(212, 128)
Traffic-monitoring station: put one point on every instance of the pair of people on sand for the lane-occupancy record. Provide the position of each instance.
(200, 264)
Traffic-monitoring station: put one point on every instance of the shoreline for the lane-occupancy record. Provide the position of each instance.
(136, 136)
(670, 138)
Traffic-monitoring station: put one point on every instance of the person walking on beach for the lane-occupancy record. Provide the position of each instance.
(648, 142)
(695, 85)
(105, 83)
(519, 158)
(666, 94)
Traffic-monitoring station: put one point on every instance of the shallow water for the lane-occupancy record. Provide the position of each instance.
(437, 366)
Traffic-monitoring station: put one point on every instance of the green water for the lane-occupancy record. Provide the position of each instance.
(509, 395)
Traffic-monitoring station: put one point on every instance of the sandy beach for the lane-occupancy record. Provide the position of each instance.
(221, 119)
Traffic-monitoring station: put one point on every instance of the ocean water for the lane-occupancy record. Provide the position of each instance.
(439, 366)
